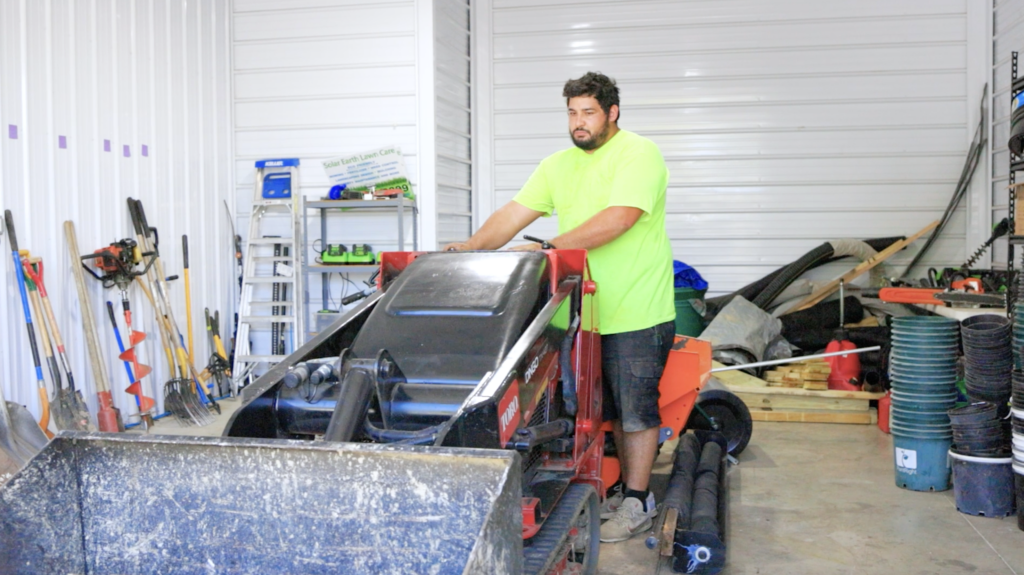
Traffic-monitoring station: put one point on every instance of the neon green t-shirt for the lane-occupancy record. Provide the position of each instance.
(634, 271)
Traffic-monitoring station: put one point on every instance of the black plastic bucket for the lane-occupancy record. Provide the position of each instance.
(1018, 473)
(983, 485)
(973, 414)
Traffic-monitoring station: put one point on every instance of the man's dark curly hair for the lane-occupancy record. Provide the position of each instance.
(597, 85)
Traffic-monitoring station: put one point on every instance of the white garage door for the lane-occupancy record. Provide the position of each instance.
(784, 124)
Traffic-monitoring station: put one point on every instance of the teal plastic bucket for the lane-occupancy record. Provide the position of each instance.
(921, 462)
(689, 311)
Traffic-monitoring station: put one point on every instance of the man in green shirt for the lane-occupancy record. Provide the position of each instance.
(609, 194)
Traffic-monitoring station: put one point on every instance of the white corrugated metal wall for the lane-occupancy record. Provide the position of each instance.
(784, 124)
(453, 119)
(1007, 37)
(100, 101)
(316, 79)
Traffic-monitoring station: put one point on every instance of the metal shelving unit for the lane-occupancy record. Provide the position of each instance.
(399, 205)
(1016, 165)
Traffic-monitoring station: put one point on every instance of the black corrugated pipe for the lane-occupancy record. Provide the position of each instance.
(781, 278)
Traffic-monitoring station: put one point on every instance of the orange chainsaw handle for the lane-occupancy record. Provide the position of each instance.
(969, 284)
(924, 296)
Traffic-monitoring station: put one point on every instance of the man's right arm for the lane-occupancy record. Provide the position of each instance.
(499, 229)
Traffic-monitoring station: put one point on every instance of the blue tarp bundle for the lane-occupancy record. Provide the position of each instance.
(687, 277)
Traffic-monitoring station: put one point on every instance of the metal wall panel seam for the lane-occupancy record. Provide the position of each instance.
(325, 97)
(748, 22)
(324, 126)
(667, 79)
(754, 130)
(319, 68)
(765, 104)
(318, 37)
(314, 9)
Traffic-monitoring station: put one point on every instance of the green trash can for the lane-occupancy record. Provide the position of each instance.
(689, 311)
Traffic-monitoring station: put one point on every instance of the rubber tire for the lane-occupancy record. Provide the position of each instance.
(733, 417)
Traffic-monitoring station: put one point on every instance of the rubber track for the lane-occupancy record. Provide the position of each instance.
(539, 557)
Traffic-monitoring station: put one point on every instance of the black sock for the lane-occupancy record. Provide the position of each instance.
(641, 495)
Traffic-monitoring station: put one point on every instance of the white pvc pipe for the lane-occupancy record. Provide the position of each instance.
(798, 359)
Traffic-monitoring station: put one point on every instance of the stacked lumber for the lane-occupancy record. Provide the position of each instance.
(811, 374)
(773, 402)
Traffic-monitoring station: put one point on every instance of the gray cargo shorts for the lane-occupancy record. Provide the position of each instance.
(632, 363)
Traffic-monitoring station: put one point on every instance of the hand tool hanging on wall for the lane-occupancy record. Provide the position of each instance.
(44, 397)
(143, 403)
(40, 382)
(70, 400)
(107, 417)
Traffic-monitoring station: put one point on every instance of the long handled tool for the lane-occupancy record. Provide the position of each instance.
(178, 396)
(44, 398)
(145, 404)
(188, 295)
(70, 399)
(61, 407)
(107, 417)
(218, 366)
(40, 382)
(151, 245)
(118, 264)
(176, 389)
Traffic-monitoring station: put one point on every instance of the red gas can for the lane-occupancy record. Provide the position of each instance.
(845, 369)
(883, 412)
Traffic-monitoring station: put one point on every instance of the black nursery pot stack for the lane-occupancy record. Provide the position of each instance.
(988, 358)
(1017, 427)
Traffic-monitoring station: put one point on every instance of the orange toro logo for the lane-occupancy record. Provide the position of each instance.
(508, 413)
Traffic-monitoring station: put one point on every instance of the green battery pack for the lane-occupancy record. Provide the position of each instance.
(361, 254)
(335, 254)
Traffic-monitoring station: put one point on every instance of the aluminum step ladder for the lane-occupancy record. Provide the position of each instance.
(269, 322)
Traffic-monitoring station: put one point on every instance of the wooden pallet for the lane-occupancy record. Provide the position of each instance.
(769, 402)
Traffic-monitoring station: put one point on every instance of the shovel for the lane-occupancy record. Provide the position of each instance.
(20, 275)
(70, 399)
(20, 435)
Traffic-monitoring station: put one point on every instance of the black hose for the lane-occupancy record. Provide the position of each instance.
(794, 270)
(753, 290)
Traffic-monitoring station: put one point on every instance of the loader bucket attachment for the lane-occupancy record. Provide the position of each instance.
(103, 503)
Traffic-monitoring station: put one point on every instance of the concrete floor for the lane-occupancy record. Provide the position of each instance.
(819, 499)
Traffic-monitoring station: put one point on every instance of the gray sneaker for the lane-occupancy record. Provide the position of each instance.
(629, 520)
(612, 502)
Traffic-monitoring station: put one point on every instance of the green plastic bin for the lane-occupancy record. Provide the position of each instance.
(689, 311)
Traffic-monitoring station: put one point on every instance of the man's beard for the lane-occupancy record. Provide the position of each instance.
(593, 142)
